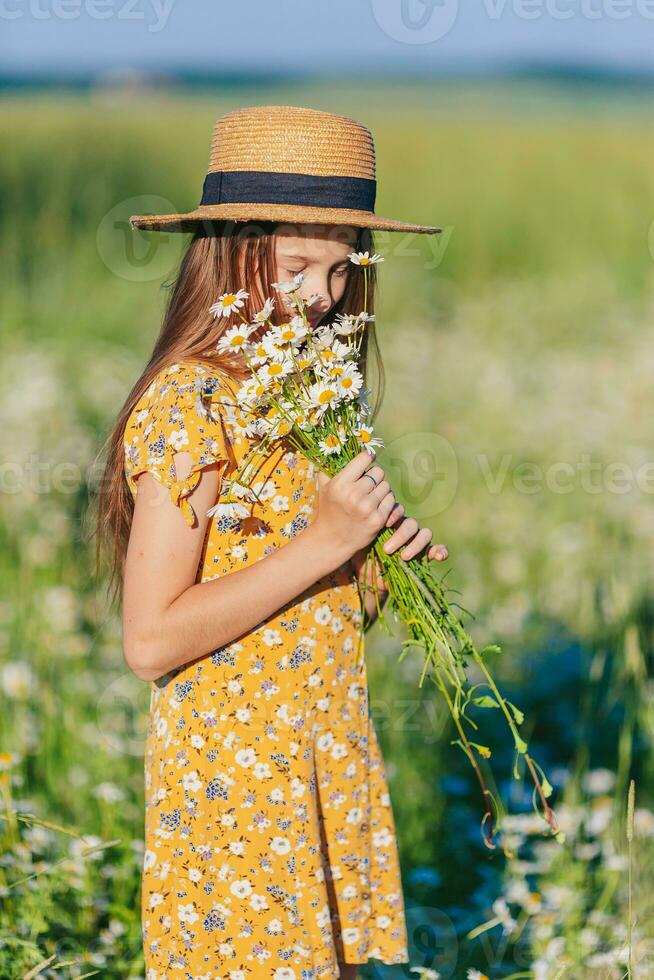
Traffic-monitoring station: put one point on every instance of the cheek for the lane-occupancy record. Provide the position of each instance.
(338, 287)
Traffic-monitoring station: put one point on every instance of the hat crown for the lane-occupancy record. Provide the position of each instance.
(292, 139)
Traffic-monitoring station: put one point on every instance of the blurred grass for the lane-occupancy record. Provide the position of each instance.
(522, 336)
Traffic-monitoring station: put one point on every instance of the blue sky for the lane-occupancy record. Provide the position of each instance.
(331, 35)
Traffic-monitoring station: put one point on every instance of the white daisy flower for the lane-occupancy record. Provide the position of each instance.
(349, 380)
(228, 302)
(274, 371)
(364, 436)
(256, 351)
(291, 333)
(235, 338)
(331, 445)
(289, 286)
(250, 392)
(323, 395)
(229, 509)
(345, 324)
(241, 422)
(265, 312)
(364, 258)
(323, 336)
(274, 346)
(336, 351)
(240, 490)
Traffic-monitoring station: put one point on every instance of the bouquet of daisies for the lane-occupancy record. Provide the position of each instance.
(306, 387)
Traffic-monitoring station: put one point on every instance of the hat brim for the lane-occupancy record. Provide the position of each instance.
(274, 212)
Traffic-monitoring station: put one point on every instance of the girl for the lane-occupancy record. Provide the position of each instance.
(270, 845)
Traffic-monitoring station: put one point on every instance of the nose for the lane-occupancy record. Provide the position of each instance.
(319, 308)
(318, 285)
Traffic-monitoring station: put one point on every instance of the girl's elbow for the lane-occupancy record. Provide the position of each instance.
(141, 658)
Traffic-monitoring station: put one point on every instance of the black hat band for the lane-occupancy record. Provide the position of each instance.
(272, 187)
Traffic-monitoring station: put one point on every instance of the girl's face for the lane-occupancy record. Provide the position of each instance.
(321, 253)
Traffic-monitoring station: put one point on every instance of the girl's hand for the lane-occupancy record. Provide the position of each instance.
(353, 506)
(413, 539)
(368, 571)
(409, 534)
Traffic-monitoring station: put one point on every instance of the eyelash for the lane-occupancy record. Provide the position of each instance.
(340, 275)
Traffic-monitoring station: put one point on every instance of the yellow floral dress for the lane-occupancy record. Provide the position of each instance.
(270, 846)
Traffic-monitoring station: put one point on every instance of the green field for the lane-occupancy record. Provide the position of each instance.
(518, 362)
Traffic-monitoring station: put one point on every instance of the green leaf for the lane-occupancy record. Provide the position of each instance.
(517, 713)
(485, 701)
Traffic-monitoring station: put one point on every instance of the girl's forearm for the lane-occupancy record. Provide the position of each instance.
(209, 615)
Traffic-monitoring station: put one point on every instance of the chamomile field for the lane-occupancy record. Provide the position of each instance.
(518, 354)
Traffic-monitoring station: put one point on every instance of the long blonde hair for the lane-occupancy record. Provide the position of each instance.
(216, 258)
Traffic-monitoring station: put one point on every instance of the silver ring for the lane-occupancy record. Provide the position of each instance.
(371, 477)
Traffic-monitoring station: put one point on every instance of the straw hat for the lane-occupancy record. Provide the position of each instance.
(286, 163)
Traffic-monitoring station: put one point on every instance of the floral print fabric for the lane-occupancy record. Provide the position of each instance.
(270, 846)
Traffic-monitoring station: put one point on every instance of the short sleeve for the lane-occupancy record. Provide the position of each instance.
(178, 412)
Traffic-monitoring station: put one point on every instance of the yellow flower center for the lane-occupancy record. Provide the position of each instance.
(229, 299)
(326, 395)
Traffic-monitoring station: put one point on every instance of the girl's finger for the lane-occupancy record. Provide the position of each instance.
(422, 538)
(395, 514)
(401, 535)
(439, 552)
